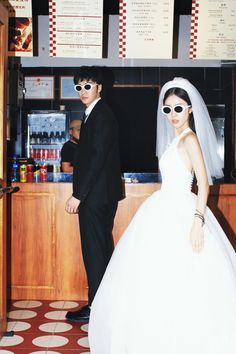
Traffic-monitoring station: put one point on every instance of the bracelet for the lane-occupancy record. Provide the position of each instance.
(198, 212)
(200, 216)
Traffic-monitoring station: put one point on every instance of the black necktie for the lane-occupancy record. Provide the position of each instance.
(85, 117)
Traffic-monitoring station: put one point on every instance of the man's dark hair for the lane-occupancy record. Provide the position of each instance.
(89, 73)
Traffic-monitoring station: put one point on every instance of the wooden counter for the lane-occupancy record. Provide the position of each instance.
(46, 260)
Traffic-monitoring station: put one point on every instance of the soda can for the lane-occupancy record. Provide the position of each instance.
(46, 154)
(43, 173)
(23, 174)
(56, 168)
(32, 153)
(36, 154)
(58, 153)
(41, 154)
(37, 174)
(53, 154)
(30, 173)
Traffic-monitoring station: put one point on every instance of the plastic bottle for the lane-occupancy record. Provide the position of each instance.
(15, 169)
(52, 138)
(32, 138)
(57, 137)
(63, 138)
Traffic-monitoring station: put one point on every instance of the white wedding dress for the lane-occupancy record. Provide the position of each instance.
(157, 295)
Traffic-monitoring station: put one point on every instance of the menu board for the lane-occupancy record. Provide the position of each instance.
(146, 29)
(20, 36)
(213, 29)
(76, 28)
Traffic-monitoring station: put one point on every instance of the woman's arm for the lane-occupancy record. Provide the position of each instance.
(196, 160)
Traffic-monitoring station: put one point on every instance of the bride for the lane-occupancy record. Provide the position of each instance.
(170, 287)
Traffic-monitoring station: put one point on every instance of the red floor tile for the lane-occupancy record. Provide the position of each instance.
(48, 331)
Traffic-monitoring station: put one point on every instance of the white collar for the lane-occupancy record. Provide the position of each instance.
(89, 109)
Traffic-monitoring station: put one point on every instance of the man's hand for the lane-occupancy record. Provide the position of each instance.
(72, 205)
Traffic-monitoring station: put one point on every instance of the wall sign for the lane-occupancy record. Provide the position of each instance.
(146, 29)
(213, 30)
(76, 28)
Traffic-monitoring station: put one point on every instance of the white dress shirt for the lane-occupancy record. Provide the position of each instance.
(90, 108)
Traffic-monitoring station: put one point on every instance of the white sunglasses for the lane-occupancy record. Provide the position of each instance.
(88, 86)
(179, 108)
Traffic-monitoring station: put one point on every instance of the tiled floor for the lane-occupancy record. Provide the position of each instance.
(40, 327)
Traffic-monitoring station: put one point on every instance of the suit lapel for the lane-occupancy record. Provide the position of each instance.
(93, 113)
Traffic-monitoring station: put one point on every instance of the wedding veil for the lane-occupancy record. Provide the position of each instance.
(203, 125)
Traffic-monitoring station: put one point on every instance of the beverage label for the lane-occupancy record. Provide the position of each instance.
(23, 173)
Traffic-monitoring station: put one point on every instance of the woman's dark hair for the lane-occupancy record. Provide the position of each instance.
(181, 93)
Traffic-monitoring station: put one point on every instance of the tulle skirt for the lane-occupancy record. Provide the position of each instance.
(157, 295)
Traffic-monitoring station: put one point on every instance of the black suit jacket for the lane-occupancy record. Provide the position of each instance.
(97, 174)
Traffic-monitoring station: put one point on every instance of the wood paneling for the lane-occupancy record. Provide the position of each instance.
(3, 113)
(46, 253)
(46, 261)
(222, 201)
(34, 234)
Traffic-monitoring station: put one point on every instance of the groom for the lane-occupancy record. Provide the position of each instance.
(97, 184)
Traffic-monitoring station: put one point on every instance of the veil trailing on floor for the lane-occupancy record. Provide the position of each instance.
(203, 125)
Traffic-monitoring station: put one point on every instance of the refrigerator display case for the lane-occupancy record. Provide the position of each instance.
(47, 131)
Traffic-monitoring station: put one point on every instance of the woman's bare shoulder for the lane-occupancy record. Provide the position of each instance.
(190, 138)
(190, 142)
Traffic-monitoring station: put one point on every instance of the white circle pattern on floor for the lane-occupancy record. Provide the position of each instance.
(17, 326)
(83, 342)
(84, 328)
(21, 314)
(46, 330)
(56, 315)
(64, 304)
(50, 341)
(10, 341)
(45, 352)
(27, 304)
(55, 327)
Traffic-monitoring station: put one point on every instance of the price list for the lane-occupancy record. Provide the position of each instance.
(213, 29)
(76, 28)
(146, 29)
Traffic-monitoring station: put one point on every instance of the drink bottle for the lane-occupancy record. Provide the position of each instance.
(14, 170)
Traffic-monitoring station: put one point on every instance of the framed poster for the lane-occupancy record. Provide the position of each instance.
(39, 87)
(20, 33)
(67, 91)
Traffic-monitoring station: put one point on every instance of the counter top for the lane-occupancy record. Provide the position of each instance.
(128, 177)
(59, 177)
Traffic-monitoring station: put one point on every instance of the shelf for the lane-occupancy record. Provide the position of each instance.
(48, 162)
(45, 146)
